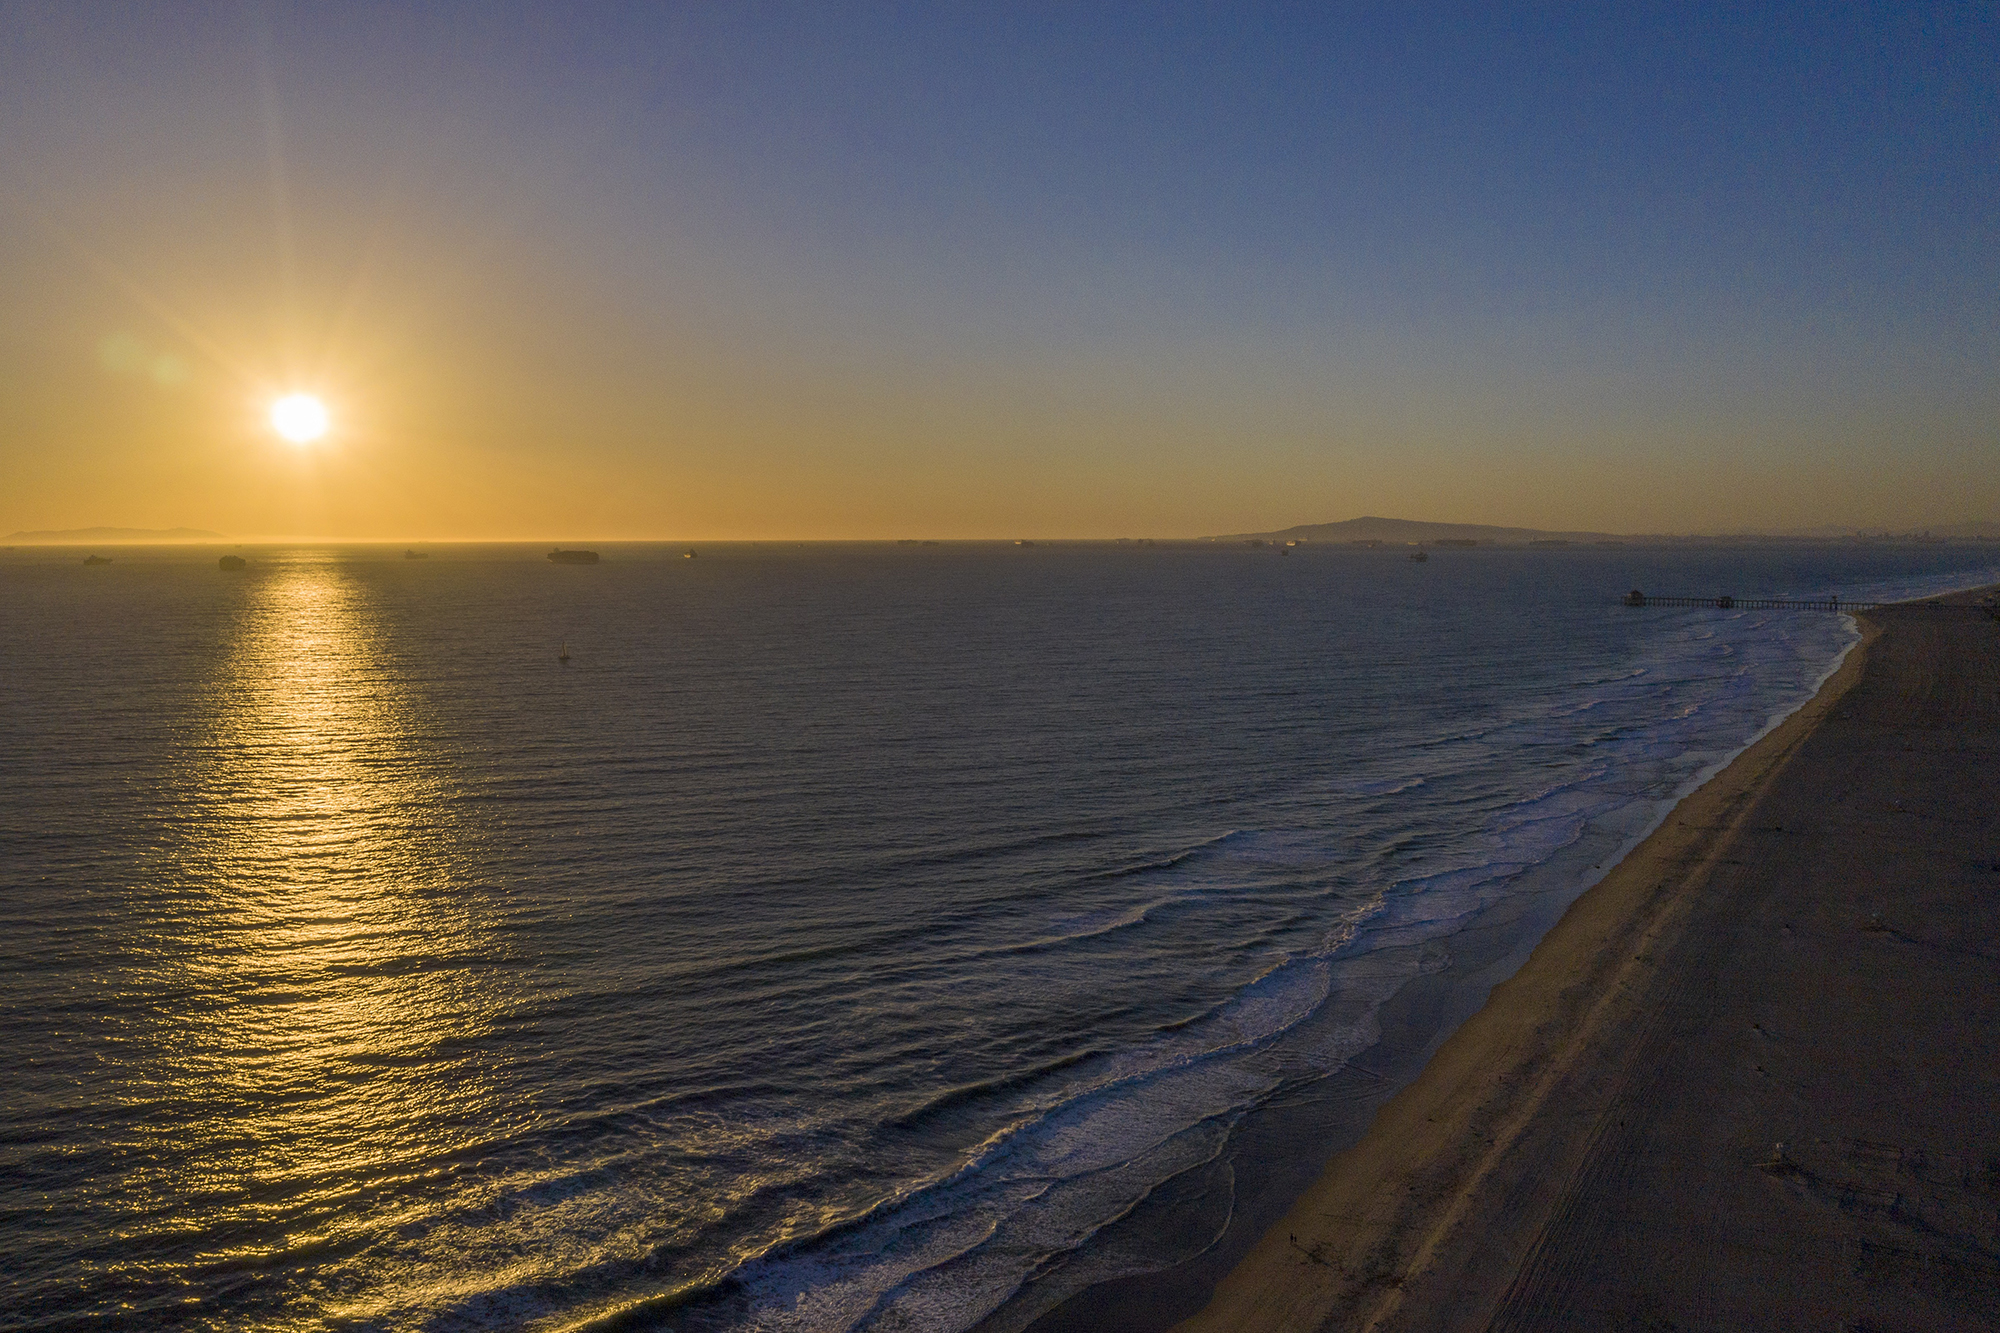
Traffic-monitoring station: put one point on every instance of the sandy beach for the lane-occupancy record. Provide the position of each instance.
(1747, 1081)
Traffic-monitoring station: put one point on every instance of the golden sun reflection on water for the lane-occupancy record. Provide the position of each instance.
(333, 980)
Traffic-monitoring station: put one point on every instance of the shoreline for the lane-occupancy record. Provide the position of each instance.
(1428, 1219)
(1271, 1173)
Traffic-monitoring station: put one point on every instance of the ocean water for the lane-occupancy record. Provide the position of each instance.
(846, 937)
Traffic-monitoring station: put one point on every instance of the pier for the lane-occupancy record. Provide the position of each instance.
(1986, 606)
(1729, 603)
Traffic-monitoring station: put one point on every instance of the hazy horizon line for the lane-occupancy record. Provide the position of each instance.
(35, 538)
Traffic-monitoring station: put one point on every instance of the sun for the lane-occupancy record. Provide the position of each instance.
(299, 417)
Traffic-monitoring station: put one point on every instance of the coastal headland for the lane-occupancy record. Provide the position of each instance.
(1747, 1081)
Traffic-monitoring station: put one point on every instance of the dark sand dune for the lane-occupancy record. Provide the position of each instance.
(1806, 954)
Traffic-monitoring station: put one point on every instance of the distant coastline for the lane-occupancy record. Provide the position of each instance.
(72, 536)
(1404, 531)
(1365, 531)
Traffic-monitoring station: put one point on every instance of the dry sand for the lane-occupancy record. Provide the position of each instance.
(1807, 954)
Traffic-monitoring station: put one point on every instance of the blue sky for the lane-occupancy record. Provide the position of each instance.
(868, 271)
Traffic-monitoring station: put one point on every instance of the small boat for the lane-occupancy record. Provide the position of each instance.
(416, 555)
(97, 560)
(231, 562)
(562, 557)
(563, 655)
(1420, 556)
(688, 554)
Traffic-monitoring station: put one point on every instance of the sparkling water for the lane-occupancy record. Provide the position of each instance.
(843, 937)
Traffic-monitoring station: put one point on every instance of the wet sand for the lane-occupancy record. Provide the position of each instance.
(1750, 1080)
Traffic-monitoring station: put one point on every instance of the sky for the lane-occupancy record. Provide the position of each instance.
(758, 271)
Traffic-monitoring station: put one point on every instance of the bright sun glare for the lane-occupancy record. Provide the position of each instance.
(299, 417)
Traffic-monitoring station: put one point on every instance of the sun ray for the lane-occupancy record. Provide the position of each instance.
(69, 236)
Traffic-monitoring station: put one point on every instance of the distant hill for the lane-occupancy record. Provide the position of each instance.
(1403, 530)
(66, 536)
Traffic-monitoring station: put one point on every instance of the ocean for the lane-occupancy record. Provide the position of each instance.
(845, 937)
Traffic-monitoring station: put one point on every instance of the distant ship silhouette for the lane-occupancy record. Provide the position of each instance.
(562, 557)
